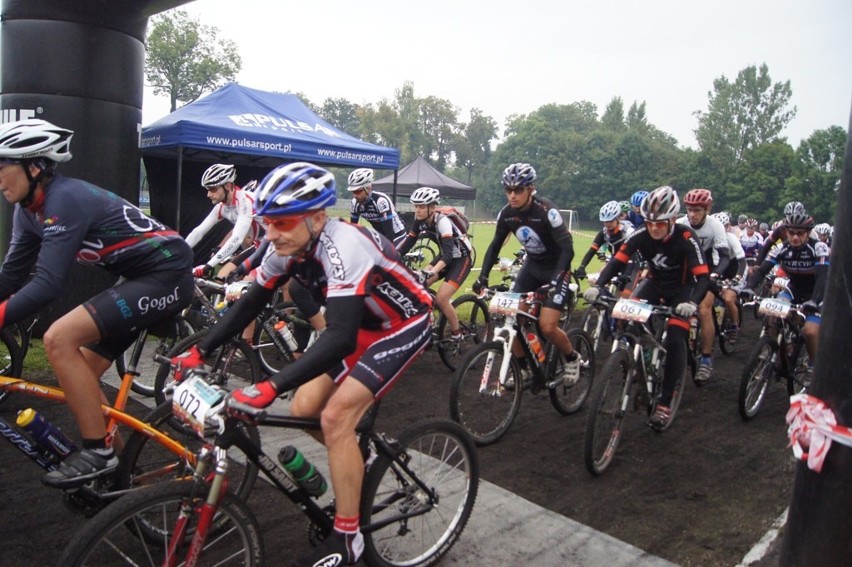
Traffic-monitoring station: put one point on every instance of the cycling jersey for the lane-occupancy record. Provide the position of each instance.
(714, 244)
(440, 229)
(750, 243)
(379, 211)
(613, 239)
(806, 266)
(239, 212)
(635, 219)
(540, 229)
(74, 219)
(777, 236)
(735, 269)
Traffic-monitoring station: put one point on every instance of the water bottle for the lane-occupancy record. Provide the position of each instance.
(535, 345)
(720, 315)
(304, 472)
(47, 435)
(286, 334)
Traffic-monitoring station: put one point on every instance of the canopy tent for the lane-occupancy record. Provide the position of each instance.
(419, 173)
(252, 129)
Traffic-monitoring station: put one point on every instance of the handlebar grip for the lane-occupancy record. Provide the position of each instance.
(255, 413)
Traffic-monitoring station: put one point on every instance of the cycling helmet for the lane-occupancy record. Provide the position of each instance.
(722, 217)
(360, 178)
(751, 223)
(610, 211)
(218, 174)
(698, 198)
(777, 224)
(625, 206)
(660, 204)
(742, 219)
(799, 220)
(636, 198)
(34, 138)
(823, 229)
(794, 207)
(295, 188)
(250, 187)
(763, 226)
(519, 175)
(426, 196)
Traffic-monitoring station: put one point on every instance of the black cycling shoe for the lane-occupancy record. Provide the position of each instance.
(337, 549)
(79, 468)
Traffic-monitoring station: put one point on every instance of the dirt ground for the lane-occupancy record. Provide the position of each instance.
(702, 493)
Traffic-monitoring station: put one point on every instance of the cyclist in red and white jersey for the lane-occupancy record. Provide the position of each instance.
(229, 203)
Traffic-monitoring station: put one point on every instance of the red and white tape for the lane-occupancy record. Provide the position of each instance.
(812, 428)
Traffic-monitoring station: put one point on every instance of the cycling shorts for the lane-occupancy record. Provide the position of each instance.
(131, 305)
(383, 355)
(532, 276)
(457, 271)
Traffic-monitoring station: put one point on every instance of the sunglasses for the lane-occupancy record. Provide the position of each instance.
(657, 223)
(284, 224)
(797, 233)
(516, 190)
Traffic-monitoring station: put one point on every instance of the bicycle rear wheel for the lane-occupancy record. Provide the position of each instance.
(566, 396)
(612, 396)
(478, 402)
(473, 323)
(728, 339)
(413, 515)
(136, 530)
(272, 359)
(143, 461)
(756, 377)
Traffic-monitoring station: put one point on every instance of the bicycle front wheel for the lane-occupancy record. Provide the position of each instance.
(472, 312)
(413, 511)
(143, 461)
(728, 338)
(596, 325)
(612, 395)
(755, 379)
(483, 406)
(136, 529)
(568, 396)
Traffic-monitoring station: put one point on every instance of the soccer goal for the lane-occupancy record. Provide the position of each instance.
(571, 219)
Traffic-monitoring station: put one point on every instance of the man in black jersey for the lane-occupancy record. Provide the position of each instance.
(373, 206)
(538, 225)
(678, 276)
(58, 220)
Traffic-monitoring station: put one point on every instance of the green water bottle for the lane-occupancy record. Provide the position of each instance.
(304, 472)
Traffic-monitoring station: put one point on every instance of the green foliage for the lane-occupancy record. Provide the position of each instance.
(186, 59)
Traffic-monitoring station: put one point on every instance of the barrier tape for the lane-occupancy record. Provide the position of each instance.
(812, 428)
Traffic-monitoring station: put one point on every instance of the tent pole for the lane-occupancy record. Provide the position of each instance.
(395, 176)
(179, 176)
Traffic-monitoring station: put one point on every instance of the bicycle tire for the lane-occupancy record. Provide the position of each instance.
(756, 377)
(677, 393)
(472, 312)
(11, 358)
(727, 339)
(143, 461)
(420, 256)
(488, 415)
(145, 383)
(122, 533)
(611, 398)
(800, 372)
(232, 365)
(441, 455)
(568, 398)
(271, 358)
(596, 327)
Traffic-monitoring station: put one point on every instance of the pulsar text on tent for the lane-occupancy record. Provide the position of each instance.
(252, 120)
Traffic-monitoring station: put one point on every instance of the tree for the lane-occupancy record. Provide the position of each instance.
(473, 144)
(341, 113)
(186, 59)
(816, 174)
(613, 116)
(743, 115)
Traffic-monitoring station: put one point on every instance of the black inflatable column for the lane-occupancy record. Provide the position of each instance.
(79, 64)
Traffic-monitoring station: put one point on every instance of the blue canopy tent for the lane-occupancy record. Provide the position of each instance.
(252, 129)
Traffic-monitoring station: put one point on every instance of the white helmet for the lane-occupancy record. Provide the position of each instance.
(34, 138)
(360, 178)
(610, 211)
(823, 228)
(426, 196)
(660, 204)
(218, 174)
(722, 217)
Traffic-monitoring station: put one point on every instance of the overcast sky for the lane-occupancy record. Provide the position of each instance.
(512, 57)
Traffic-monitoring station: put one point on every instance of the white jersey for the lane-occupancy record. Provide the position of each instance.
(737, 252)
(240, 213)
(711, 236)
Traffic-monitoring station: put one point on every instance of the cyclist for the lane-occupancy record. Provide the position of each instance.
(678, 276)
(625, 211)
(739, 230)
(378, 323)
(805, 262)
(712, 238)
(735, 274)
(454, 263)
(635, 214)
(58, 219)
(763, 230)
(823, 233)
(778, 235)
(374, 206)
(612, 235)
(751, 240)
(538, 225)
(229, 203)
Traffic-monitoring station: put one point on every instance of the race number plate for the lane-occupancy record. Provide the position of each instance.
(192, 401)
(774, 307)
(631, 310)
(505, 303)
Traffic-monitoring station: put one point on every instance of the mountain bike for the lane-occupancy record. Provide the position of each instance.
(472, 312)
(597, 321)
(155, 449)
(417, 496)
(780, 353)
(631, 379)
(485, 395)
